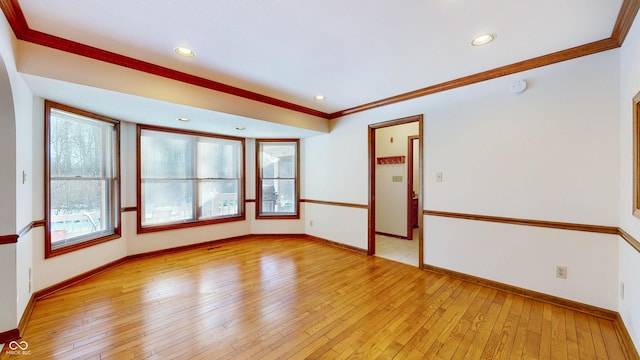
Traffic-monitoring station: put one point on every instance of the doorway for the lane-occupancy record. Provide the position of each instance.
(391, 176)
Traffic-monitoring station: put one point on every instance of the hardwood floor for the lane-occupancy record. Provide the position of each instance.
(275, 298)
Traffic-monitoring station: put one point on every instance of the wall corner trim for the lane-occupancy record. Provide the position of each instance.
(629, 239)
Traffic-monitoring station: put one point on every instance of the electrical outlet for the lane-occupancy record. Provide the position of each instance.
(621, 290)
(561, 272)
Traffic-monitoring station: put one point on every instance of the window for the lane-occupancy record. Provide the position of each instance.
(277, 179)
(188, 179)
(82, 186)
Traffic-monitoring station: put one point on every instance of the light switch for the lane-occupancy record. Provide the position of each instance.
(439, 177)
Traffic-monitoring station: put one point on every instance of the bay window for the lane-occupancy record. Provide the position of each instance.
(188, 178)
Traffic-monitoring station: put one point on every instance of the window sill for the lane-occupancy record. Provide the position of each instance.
(49, 253)
(278, 217)
(189, 224)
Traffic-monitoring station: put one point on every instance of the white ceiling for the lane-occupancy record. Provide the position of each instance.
(351, 51)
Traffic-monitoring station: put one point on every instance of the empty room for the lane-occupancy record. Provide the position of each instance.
(319, 180)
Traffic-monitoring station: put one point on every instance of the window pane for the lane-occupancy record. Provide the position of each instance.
(218, 158)
(166, 156)
(77, 145)
(219, 198)
(189, 178)
(278, 160)
(77, 209)
(167, 201)
(279, 196)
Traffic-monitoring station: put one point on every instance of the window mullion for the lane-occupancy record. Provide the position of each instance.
(195, 203)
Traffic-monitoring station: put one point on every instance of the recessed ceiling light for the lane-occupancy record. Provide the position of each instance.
(240, 128)
(319, 97)
(483, 39)
(183, 51)
(184, 119)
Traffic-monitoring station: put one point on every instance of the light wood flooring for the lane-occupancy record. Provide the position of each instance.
(287, 298)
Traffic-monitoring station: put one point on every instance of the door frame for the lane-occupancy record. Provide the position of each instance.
(371, 212)
(410, 157)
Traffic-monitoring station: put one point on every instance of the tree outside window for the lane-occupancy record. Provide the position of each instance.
(82, 187)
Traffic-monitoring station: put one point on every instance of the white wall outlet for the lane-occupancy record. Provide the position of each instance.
(561, 272)
(439, 177)
(621, 290)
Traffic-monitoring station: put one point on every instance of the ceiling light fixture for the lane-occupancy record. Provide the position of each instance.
(183, 119)
(483, 39)
(319, 97)
(183, 51)
(240, 128)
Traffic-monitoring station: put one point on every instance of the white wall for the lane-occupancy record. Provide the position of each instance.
(335, 170)
(629, 266)
(526, 256)
(336, 164)
(8, 303)
(345, 225)
(25, 212)
(15, 197)
(8, 151)
(550, 153)
(7, 201)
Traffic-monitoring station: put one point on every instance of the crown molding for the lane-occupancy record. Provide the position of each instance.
(627, 14)
(568, 54)
(21, 29)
